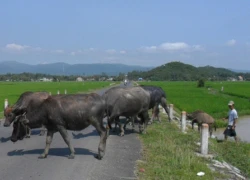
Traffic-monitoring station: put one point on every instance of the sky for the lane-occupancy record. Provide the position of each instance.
(132, 32)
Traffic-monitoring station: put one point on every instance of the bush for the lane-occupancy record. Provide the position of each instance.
(201, 83)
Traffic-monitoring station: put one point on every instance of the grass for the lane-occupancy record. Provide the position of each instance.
(237, 154)
(169, 154)
(12, 90)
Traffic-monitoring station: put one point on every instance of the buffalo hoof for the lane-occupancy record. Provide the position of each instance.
(28, 136)
(98, 157)
(42, 156)
(121, 134)
(150, 122)
(41, 133)
(71, 156)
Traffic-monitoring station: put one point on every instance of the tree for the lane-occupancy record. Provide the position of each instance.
(201, 83)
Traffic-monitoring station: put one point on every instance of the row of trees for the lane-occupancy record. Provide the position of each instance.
(174, 71)
(38, 77)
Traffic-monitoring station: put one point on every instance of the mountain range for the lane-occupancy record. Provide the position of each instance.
(68, 69)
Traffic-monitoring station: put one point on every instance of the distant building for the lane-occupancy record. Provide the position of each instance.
(46, 80)
(110, 79)
(79, 79)
(240, 78)
(140, 79)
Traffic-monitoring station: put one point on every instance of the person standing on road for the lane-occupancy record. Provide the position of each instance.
(232, 117)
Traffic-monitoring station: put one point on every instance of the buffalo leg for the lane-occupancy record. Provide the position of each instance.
(42, 132)
(144, 121)
(199, 127)
(157, 113)
(210, 130)
(103, 138)
(48, 142)
(153, 116)
(132, 120)
(110, 120)
(120, 126)
(164, 105)
(116, 123)
(28, 132)
(66, 139)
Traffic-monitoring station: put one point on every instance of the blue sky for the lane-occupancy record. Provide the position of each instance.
(133, 32)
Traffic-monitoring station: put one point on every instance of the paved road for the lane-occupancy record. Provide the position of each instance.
(19, 161)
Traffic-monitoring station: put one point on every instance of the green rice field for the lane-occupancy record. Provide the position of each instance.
(12, 90)
(187, 97)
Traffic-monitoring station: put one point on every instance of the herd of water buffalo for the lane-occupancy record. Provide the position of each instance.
(59, 113)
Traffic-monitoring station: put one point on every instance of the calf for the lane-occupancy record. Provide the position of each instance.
(201, 117)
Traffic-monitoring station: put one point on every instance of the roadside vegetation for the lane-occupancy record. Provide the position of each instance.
(170, 154)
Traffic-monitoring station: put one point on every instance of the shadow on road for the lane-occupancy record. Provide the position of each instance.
(3, 139)
(35, 131)
(52, 152)
(81, 135)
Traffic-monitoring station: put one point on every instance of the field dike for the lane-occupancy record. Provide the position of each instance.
(170, 154)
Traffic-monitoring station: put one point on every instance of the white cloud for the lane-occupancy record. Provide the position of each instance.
(16, 47)
(231, 42)
(111, 51)
(21, 48)
(123, 52)
(172, 47)
(149, 49)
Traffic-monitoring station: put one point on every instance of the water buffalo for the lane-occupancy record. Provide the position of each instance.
(157, 96)
(62, 113)
(128, 102)
(36, 97)
(201, 117)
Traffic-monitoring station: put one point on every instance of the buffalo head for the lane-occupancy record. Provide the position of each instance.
(11, 115)
(20, 128)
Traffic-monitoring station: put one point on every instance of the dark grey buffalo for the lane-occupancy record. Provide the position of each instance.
(128, 102)
(61, 113)
(157, 97)
(34, 97)
(201, 117)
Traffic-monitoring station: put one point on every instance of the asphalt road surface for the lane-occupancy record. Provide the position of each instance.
(19, 161)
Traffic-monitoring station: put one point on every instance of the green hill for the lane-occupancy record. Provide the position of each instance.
(177, 71)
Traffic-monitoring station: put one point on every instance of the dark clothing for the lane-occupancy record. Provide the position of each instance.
(229, 131)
